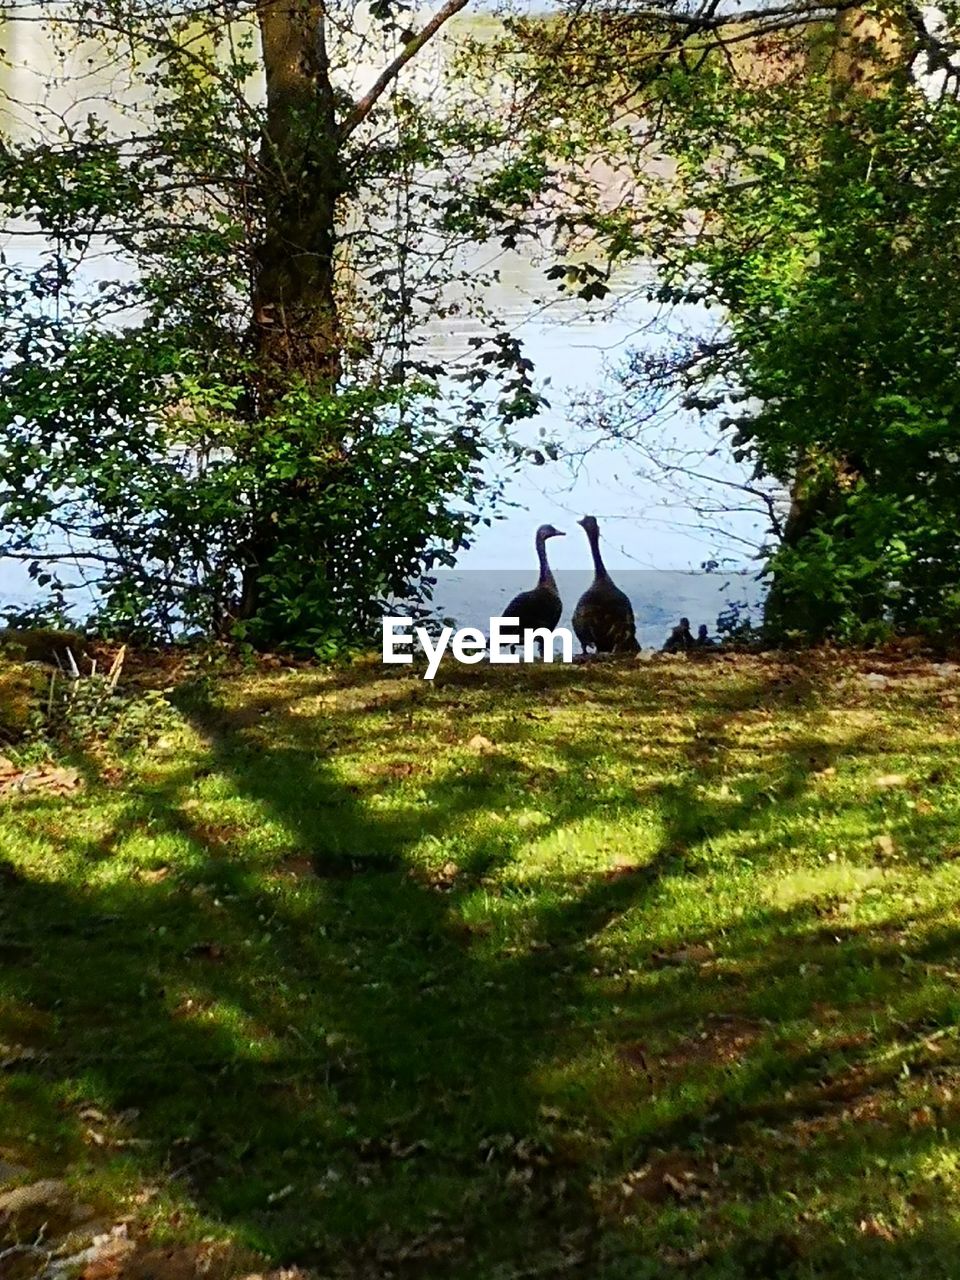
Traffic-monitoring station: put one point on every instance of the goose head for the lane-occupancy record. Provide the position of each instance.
(548, 531)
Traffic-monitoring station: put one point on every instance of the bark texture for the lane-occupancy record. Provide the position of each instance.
(295, 307)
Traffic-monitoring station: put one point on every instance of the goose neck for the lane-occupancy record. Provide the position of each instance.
(546, 575)
(598, 565)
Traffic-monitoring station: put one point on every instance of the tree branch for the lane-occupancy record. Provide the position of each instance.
(363, 106)
(937, 51)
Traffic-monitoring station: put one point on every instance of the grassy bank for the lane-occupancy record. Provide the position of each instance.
(607, 971)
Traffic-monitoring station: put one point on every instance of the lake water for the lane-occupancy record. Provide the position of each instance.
(648, 524)
(659, 597)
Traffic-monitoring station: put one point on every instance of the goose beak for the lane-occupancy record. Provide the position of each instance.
(582, 523)
(558, 533)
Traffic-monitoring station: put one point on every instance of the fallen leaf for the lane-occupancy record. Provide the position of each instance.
(684, 1187)
(46, 777)
(153, 875)
(105, 1258)
(874, 680)
(891, 780)
(483, 746)
(876, 1227)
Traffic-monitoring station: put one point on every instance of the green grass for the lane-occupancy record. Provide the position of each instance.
(664, 983)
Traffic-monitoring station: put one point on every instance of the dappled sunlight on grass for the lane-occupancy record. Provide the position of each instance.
(634, 968)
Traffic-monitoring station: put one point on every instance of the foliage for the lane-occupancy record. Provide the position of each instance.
(92, 709)
(64, 701)
(801, 189)
(845, 330)
(735, 624)
(361, 530)
(621, 203)
(159, 458)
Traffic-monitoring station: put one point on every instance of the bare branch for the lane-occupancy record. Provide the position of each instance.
(363, 106)
(709, 20)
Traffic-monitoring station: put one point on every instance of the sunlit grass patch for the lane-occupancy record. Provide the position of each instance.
(632, 968)
(838, 880)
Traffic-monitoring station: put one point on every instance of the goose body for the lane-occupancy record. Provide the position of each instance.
(679, 640)
(541, 606)
(603, 619)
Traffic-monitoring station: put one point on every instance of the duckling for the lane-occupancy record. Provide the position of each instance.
(542, 606)
(603, 619)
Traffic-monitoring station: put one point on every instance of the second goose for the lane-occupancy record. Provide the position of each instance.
(603, 619)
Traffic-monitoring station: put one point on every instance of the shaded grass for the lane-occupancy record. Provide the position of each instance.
(640, 991)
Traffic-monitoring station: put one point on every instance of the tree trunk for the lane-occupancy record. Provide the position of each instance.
(296, 328)
(295, 307)
(296, 332)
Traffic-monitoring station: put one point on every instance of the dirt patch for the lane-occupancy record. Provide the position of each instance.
(305, 866)
(670, 1177)
(694, 955)
(636, 1056)
(339, 867)
(860, 1094)
(675, 1176)
(188, 1262)
(299, 866)
(394, 772)
(207, 950)
(723, 1042)
(622, 868)
(217, 838)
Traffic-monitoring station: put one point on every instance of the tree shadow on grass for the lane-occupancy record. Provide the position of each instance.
(341, 1057)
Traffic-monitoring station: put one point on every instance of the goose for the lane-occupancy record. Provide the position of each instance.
(603, 618)
(679, 640)
(542, 606)
(704, 640)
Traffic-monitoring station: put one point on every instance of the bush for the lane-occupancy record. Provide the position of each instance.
(69, 707)
(22, 688)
